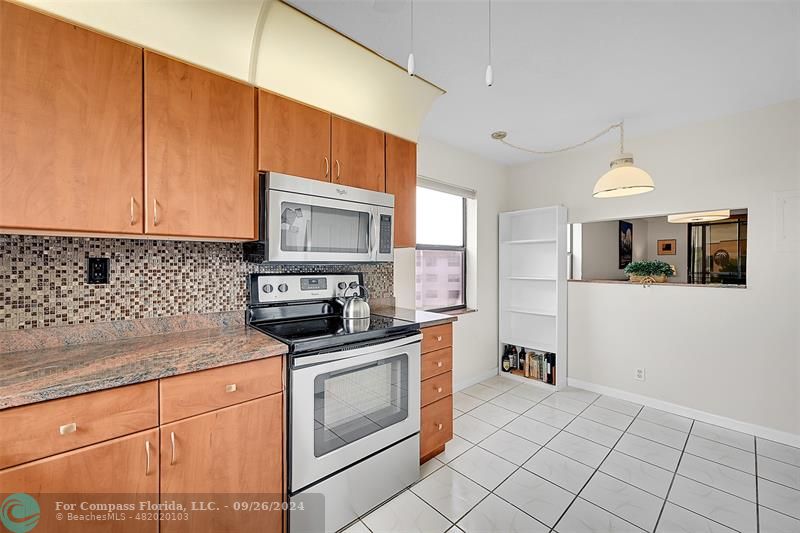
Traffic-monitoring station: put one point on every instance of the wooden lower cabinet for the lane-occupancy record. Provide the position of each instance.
(118, 471)
(436, 390)
(436, 428)
(228, 456)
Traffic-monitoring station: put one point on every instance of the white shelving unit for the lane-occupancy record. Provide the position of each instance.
(533, 285)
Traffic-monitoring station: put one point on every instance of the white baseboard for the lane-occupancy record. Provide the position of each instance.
(475, 379)
(745, 427)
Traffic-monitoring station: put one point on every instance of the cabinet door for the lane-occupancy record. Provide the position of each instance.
(230, 455)
(70, 127)
(118, 471)
(200, 174)
(293, 138)
(358, 155)
(401, 181)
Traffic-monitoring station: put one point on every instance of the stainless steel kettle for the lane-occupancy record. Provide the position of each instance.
(354, 306)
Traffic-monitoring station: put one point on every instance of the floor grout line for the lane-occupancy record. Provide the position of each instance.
(755, 453)
(672, 482)
(597, 469)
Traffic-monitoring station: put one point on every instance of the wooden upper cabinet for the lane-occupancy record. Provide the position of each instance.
(236, 451)
(70, 127)
(401, 181)
(119, 471)
(200, 177)
(358, 155)
(293, 138)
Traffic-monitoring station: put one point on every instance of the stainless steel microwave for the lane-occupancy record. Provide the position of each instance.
(311, 221)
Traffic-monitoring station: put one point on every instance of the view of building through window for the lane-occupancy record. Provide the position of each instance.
(441, 250)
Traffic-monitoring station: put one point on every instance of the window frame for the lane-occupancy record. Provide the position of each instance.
(450, 248)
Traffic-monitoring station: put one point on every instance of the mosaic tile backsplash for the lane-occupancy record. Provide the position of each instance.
(43, 279)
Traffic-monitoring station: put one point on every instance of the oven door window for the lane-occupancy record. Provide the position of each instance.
(352, 403)
(313, 228)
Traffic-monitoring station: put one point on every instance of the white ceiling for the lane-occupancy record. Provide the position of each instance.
(565, 70)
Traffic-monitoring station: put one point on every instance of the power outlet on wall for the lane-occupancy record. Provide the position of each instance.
(639, 374)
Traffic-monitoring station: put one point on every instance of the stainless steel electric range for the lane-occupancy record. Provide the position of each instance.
(353, 392)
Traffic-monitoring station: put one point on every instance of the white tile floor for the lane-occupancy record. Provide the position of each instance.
(573, 461)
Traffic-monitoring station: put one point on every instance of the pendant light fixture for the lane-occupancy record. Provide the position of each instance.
(704, 216)
(411, 67)
(489, 78)
(624, 179)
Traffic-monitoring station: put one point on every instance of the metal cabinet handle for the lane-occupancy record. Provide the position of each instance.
(440, 427)
(338, 169)
(133, 207)
(439, 390)
(439, 364)
(438, 338)
(147, 451)
(172, 440)
(327, 165)
(230, 388)
(68, 428)
(155, 212)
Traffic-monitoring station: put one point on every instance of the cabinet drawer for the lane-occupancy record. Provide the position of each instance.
(199, 392)
(436, 388)
(437, 337)
(43, 429)
(436, 426)
(435, 363)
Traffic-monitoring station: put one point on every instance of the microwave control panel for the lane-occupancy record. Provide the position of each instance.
(385, 242)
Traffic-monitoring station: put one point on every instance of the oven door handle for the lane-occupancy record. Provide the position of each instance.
(310, 360)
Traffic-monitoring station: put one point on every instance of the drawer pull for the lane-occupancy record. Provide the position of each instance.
(438, 338)
(230, 388)
(439, 390)
(68, 428)
(172, 440)
(439, 427)
(439, 364)
(147, 451)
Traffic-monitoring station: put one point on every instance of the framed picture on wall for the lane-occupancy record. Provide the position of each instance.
(625, 243)
(667, 247)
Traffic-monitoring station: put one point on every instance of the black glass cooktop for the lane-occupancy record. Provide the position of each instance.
(318, 333)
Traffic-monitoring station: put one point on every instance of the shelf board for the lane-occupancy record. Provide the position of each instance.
(531, 278)
(531, 345)
(529, 241)
(530, 311)
(534, 382)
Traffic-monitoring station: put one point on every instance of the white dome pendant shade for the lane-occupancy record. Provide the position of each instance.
(624, 179)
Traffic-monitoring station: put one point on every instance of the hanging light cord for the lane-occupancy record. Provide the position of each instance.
(501, 136)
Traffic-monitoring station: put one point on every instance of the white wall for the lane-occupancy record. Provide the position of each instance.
(599, 253)
(475, 334)
(660, 229)
(730, 352)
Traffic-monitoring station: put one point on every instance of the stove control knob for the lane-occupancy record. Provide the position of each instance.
(283, 287)
(342, 285)
(353, 284)
(267, 288)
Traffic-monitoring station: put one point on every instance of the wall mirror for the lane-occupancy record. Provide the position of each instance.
(699, 248)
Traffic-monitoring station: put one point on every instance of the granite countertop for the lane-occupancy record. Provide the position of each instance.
(423, 318)
(36, 375)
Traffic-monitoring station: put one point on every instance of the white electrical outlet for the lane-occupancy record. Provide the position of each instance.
(640, 374)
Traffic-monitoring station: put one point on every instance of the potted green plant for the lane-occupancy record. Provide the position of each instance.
(658, 271)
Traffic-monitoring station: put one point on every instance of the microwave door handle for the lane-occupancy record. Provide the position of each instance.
(373, 250)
